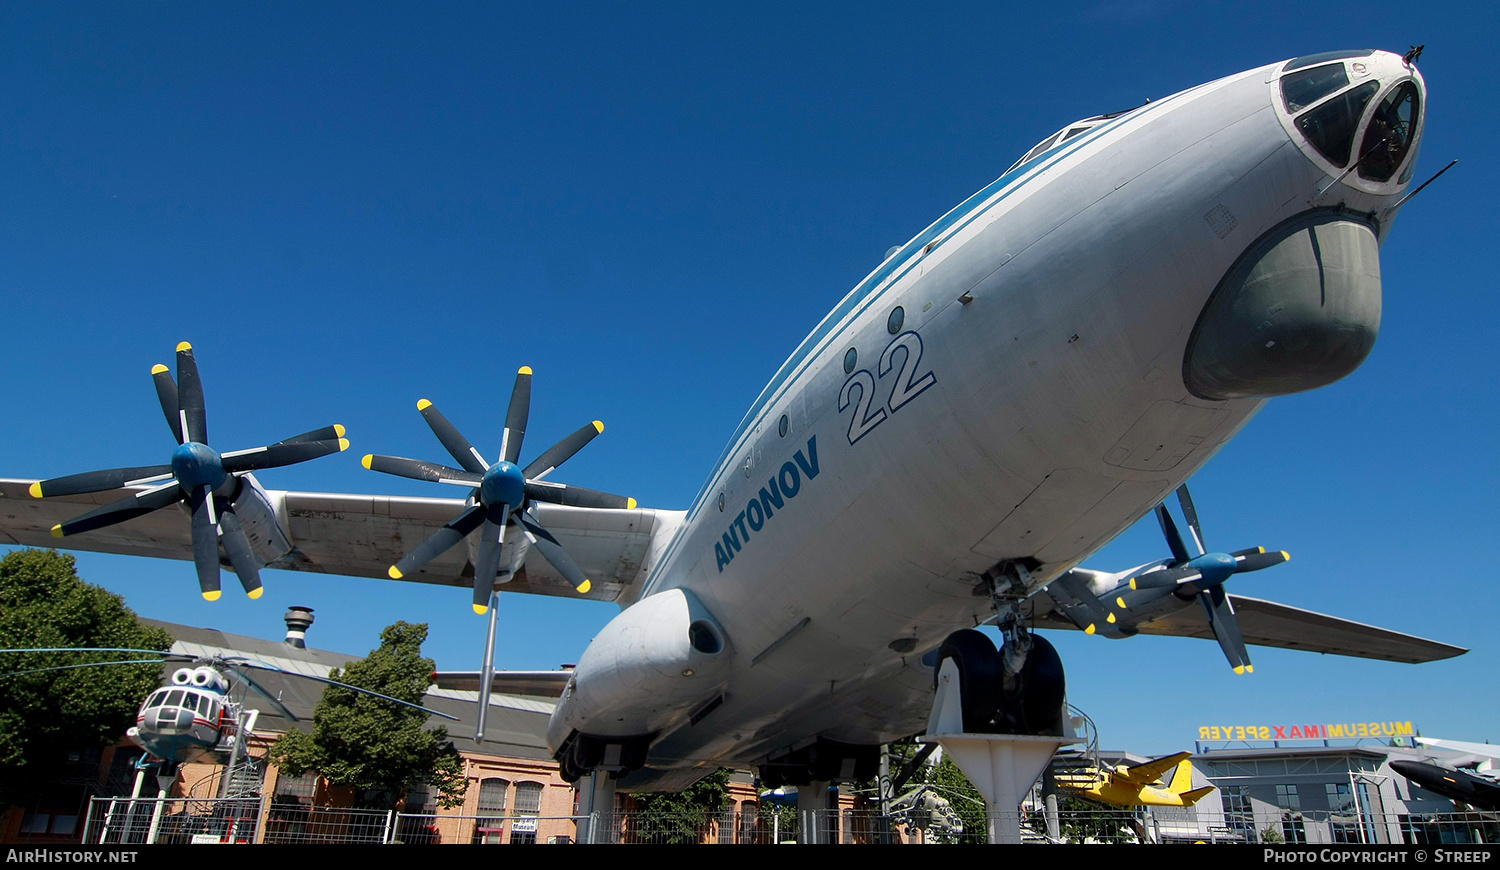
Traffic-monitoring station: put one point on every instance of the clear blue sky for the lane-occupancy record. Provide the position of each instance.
(348, 207)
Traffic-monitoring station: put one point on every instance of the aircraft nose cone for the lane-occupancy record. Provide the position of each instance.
(503, 483)
(196, 465)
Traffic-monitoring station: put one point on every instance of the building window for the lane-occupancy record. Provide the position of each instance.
(528, 807)
(490, 826)
(1343, 818)
(1239, 818)
(1292, 830)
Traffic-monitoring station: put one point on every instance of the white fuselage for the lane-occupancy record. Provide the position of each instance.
(1029, 405)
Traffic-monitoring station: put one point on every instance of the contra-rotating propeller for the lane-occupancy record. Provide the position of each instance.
(502, 493)
(1204, 575)
(199, 477)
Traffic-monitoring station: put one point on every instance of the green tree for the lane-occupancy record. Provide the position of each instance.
(44, 716)
(679, 816)
(378, 748)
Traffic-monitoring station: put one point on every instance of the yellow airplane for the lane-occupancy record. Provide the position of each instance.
(1137, 785)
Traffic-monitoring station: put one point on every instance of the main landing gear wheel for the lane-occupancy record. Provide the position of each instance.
(979, 674)
(1035, 704)
(1029, 701)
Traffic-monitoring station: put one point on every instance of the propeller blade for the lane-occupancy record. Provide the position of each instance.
(166, 391)
(562, 451)
(1256, 559)
(190, 396)
(416, 469)
(240, 666)
(457, 445)
(1191, 514)
(205, 541)
(553, 552)
(439, 542)
(487, 562)
(128, 508)
(1166, 578)
(1226, 628)
(100, 481)
(327, 433)
(1174, 540)
(515, 417)
(575, 496)
(237, 545)
(279, 454)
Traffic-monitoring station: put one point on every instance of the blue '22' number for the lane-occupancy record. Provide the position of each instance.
(907, 385)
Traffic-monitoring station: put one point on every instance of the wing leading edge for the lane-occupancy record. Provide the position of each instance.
(362, 536)
(1267, 623)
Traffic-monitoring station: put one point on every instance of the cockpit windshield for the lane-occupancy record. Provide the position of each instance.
(1389, 135)
(1073, 130)
(1330, 127)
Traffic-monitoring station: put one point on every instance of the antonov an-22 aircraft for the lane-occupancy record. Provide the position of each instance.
(1009, 390)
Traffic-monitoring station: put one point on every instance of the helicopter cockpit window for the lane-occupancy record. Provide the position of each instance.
(1301, 89)
(156, 698)
(1330, 127)
(174, 699)
(1389, 135)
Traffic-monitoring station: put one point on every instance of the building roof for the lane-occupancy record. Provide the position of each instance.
(516, 726)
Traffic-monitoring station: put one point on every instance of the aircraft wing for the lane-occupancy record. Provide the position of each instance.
(358, 536)
(544, 684)
(1151, 771)
(1266, 623)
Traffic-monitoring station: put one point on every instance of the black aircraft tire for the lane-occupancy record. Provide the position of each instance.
(1036, 708)
(979, 676)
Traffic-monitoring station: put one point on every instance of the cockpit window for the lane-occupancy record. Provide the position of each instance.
(1325, 56)
(1389, 135)
(1330, 127)
(174, 699)
(1302, 89)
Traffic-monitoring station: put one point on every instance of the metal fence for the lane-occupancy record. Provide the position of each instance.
(267, 820)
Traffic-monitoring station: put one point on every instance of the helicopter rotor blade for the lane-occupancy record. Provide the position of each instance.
(262, 666)
(84, 665)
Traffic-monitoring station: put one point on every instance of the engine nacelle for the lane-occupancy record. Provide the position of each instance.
(651, 667)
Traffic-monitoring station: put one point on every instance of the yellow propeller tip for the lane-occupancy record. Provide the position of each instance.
(343, 444)
(369, 458)
(524, 370)
(598, 426)
(1249, 669)
(339, 430)
(394, 574)
(35, 489)
(158, 369)
(1132, 582)
(630, 504)
(423, 404)
(182, 346)
(214, 595)
(1240, 669)
(1111, 619)
(57, 531)
(256, 593)
(584, 587)
(1091, 629)
(481, 609)
(1261, 549)
(1121, 601)
(1286, 556)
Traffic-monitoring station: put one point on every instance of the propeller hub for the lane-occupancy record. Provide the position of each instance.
(196, 465)
(1215, 568)
(503, 483)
